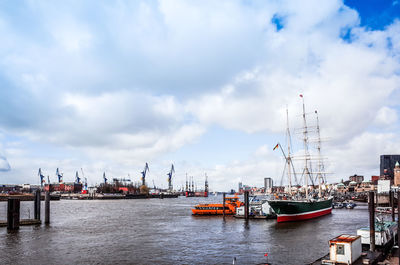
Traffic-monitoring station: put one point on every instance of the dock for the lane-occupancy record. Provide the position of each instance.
(260, 217)
(116, 196)
(14, 221)
(23, 222)
(27, 197)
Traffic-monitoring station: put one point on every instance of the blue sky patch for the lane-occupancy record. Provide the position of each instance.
(278, 21)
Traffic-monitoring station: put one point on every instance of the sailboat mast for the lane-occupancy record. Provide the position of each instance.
(306, 154)
(320, 163)
(288, 160)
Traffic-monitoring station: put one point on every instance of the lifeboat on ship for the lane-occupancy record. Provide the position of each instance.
(231, 203)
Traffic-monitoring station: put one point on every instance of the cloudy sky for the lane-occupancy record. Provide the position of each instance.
(107, 86)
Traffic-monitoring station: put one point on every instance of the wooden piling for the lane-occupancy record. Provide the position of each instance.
(391, 198)
(246, 205)
(398, 221)
(47, 208)
(37, 205)
(13, 214)
(371, 221)
(223, 204)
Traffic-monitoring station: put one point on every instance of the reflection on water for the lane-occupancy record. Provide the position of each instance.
(165, 232)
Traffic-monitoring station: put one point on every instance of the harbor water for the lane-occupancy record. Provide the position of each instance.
(163, 231)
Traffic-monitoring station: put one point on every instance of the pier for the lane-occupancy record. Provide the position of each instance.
(386, 254)
(13, 221)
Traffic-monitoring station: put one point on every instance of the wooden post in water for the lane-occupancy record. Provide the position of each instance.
(37, 205)
(13, 214)
(398, 221)
(47, 208)
(371, 221)
(391, 194)
(246, 205)
(223, 204)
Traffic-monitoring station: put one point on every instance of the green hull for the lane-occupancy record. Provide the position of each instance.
(288, 210)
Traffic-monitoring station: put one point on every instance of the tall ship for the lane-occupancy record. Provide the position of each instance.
(302, 203)
(191, 191)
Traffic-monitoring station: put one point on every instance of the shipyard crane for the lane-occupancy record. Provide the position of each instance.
(41, 177)
(104, 177)
(77, 178)
(83, 176)
(172, 171)
(59, 176)
(145, 170)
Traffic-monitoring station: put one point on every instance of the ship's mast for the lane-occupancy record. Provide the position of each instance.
(288, 160)
(187, 188)
(320, 162)
(306, 153)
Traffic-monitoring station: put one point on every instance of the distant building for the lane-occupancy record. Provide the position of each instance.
(268, 183)
(7, 188)
(397, 174)
(357, 179)
(375, 179)
(64, 187)
(240, 187)
(387, 165)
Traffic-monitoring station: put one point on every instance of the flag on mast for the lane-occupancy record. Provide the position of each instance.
(276, 146)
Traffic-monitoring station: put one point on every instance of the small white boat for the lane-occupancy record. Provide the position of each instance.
(385, 231)
(258, 208)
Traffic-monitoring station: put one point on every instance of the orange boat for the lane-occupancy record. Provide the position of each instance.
(231, 203)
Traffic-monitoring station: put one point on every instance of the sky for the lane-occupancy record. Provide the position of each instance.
(106, 86)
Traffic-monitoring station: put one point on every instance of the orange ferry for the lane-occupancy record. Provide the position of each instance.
(231, 203)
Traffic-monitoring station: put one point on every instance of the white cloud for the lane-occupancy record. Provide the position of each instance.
(386, 117)
(148, 78)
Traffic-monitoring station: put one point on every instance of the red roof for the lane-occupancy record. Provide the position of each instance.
(344, 239)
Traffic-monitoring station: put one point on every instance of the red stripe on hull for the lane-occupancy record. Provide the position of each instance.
(290, 218)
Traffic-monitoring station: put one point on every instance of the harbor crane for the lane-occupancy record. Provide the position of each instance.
(145, 170)
(41, 177)
(59, 176)
(77, 178)
(104, 177)
(172, 171)
(85, 185)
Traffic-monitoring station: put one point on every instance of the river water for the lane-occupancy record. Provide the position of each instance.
(156, 231)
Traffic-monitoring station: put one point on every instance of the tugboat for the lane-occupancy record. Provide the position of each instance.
(231, 203)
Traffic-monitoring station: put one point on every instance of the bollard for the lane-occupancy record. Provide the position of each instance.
(37, 205)
(246, 205)
(371, 221)
(223, 204)
(13, 214)
(47, 208)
